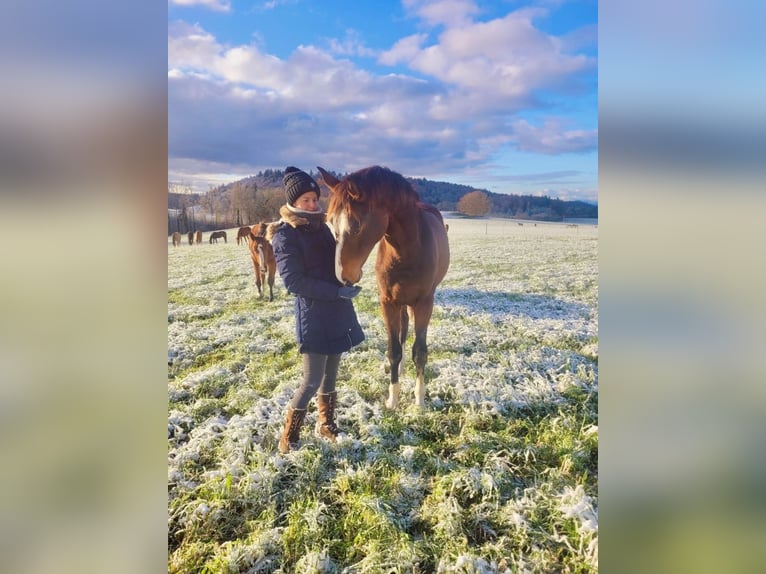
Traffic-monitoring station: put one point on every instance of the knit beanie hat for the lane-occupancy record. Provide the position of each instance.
(296, 183)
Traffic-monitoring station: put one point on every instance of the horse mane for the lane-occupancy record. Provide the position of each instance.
(431, 209)
(377, 187)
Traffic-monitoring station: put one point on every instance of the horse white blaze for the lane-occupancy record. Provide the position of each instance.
(341, 228)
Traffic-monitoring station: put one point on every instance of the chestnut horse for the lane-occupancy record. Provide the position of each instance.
(263, 258)
(242, 234)
(176, 239)
(378, 206)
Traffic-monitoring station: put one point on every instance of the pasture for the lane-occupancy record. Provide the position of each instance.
(499, 473)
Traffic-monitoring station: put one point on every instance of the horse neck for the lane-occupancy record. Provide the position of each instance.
(403, 230)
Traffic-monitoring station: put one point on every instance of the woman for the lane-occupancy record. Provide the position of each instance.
(325, 321)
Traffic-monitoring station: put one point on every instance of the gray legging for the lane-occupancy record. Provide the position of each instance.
(319, 374)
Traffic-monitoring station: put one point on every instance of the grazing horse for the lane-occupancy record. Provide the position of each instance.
(263, 258)
(190, 236)
(198, 238)
(176, 239)
(378, 206)
(216, 235)
(243, 235)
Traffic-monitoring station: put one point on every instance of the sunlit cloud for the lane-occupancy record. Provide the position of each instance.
(216, 5)
(450, 13)
(351, 45)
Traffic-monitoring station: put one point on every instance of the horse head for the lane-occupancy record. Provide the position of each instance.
(259, 229)
(357, 223)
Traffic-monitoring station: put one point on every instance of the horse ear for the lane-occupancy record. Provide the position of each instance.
(330, 180)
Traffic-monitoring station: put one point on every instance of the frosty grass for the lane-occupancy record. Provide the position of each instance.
(498, 474)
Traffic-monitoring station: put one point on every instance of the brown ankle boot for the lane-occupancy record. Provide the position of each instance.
(292, 430)
(326, 426)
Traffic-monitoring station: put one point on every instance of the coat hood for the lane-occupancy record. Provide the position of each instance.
(294, 219)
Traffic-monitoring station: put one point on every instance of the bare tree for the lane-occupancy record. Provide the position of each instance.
(243, 203)
(275, 199)
(207, 202)
(222, 210)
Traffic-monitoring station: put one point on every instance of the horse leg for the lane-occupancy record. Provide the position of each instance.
(420, 348)
(392, 316)
(403, 334)
(272, 270)
(257, 276)
(263, 277)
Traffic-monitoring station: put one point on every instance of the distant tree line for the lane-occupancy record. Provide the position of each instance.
(259, 197)
(181, 200)
(446, 196)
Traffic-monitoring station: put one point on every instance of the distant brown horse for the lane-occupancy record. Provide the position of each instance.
(375, 205)
(176, 239)
(191, 238)
(242, 235)
(263, 258)
(198, 238)
(216, 235)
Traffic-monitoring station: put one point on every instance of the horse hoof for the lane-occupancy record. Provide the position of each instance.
(391, 404)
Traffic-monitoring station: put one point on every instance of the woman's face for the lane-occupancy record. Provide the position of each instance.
(309, 201)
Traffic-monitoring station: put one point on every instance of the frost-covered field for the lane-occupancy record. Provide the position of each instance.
(498, 474)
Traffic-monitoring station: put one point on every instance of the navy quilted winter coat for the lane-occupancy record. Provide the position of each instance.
(305, 253)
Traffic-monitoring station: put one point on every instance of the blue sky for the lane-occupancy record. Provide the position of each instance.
(497, 95)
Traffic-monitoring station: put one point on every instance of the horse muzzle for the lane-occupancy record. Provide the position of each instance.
(343, 278)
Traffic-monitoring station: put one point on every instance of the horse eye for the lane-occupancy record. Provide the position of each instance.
(354, 227)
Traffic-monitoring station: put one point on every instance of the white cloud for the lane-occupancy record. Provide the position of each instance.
(216, 5)
(191, 47)
(584, 37)
(450, 13)
(506, 57)
(404, 50)
(553, 138)
(351, 45)
(237, 105)
(309, 76)
(498, 66)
